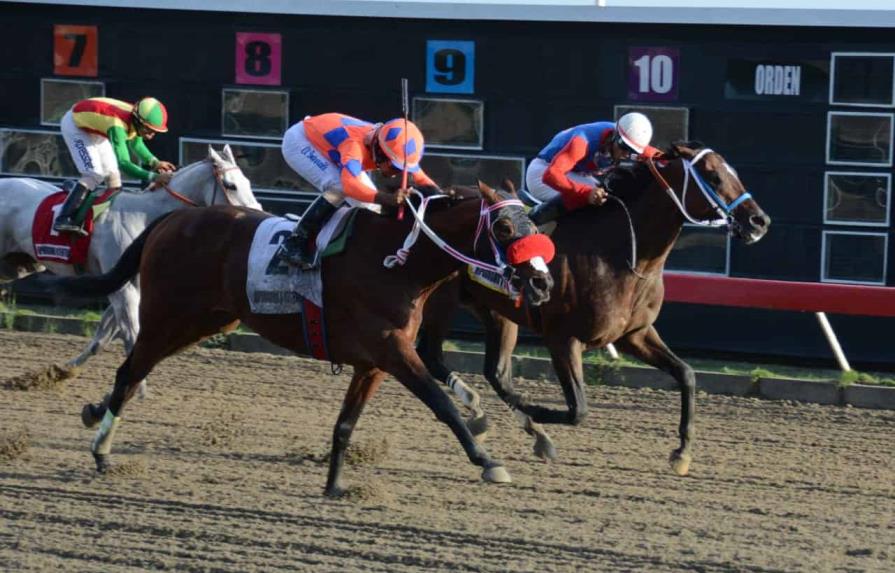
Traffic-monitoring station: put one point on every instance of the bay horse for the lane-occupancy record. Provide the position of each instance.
(213, 181)
(192, 267)
(604, 292)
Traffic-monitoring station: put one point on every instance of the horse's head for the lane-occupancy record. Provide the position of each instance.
(720, 192)
(235, 188)
(527, 250)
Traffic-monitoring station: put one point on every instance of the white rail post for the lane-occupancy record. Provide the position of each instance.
(834, 342)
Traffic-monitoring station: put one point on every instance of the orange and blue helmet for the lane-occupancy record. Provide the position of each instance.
(399, 143)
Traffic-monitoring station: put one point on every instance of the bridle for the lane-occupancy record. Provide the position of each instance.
(722, 208)
(219, 182)
(715, 201)
(499, 267)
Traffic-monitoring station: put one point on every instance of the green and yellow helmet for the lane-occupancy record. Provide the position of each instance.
(150, 113)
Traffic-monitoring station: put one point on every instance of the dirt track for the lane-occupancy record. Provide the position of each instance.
(221, 470)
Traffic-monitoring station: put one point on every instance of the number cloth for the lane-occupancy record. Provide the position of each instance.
(110, 120)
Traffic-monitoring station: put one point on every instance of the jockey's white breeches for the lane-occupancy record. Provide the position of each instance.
(319, 170)
(93, 155)
(534, 180)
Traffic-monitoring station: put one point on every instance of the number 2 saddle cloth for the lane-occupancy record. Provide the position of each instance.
(274, 287)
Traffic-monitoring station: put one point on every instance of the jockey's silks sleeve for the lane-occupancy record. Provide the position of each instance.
(354, 160)
(120, 144)
(574, 195)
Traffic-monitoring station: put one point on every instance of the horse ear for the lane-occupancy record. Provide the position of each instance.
(229, 153)
(510, 186)
(488, 193)
(214, 156)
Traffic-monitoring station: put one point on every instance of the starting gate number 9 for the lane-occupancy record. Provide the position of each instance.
(653, 73)
(258, 58)
(450, 67)
(75, 50)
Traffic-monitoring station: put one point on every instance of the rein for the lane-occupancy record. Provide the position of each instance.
(219, 181)
(500, 267)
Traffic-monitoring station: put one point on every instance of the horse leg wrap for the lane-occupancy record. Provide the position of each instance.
(469, 398)
(102, 443)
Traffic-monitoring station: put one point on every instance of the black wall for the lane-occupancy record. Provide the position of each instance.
(535, 79)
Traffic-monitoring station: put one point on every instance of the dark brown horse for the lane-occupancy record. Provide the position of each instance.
(604, 293)
(192, 269)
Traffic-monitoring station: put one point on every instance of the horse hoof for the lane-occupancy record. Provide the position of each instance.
(496, 474)
(102, 462)
(334, 492)
(680, 463)
(544, 448)
(478, 427)
(92, 414)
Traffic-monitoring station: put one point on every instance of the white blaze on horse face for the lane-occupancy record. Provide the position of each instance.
(731, 170)
(538, 264)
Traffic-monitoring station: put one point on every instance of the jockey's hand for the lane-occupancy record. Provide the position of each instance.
(162, 179)
(597, 196)
(387, 199)
(165, 167)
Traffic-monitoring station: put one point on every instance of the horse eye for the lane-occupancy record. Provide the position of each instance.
(229, 186)
(503, 229)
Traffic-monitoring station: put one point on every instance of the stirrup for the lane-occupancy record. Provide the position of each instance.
(69, 227)
(296, 258)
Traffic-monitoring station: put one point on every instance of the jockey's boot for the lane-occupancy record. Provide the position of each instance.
(547, 211)
(294, 249)
(65, 222)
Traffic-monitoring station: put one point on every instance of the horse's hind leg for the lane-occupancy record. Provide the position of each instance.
(105, 332)
(646, 345)
(169, 333)
(405, 365)
(126, 303)
(363, 385)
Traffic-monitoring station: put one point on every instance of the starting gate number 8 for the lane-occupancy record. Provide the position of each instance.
(258, 58)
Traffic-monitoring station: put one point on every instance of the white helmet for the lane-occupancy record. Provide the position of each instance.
(635, 130)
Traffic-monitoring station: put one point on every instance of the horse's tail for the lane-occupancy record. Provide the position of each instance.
(125, 269)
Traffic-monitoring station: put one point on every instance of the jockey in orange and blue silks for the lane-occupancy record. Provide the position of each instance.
(563, 174)
(334, 152)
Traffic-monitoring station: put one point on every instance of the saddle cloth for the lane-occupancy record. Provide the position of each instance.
(68, 248)
(274, 287)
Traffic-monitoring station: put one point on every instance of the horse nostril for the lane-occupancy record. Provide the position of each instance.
(760, 221)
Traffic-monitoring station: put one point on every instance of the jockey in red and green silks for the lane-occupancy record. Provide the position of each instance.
(562, 175)
(101, 133)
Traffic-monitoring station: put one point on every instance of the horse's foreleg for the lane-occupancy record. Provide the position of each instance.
(501, 335)
(363, 385)
(406, 365)
(646, 345)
